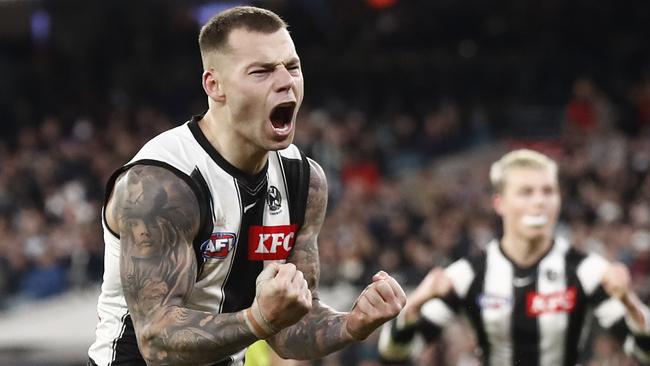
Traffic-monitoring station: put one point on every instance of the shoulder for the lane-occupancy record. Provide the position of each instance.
(148, 191)
(589, 268)
(176, 146)
(462, 273)
(316, 174)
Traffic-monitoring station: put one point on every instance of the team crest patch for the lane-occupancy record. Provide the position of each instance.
(274, 199)
(218, 246)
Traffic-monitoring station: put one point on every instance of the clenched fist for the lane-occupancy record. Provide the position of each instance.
(435, 284)
(282, 298)
(617, 284)
(616, 281)
(380, 302)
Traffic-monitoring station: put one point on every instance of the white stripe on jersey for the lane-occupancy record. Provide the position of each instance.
(552, 325)
(497, 304)
(590, 272)
(461, 275)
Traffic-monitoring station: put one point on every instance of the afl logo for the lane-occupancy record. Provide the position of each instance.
(274, 199)
(218, 246)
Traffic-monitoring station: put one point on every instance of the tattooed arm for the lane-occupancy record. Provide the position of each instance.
(157, 216)
(324, 330)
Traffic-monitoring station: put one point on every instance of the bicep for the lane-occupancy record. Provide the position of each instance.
(158, 217)
(305, 251)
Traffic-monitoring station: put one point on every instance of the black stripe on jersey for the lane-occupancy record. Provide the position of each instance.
(239, 287)
(599, 296)
(250, 180)
(127, 352)
(207, 218)
(452, 301)
(524, 328)
(619, 330)
(472, 305)
(574, 330)
(107, 195)
(643, 342)
(296, 174)
(404, 335)
(430, 331)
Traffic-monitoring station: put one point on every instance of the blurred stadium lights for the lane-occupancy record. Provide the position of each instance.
(381, 4)
(202, 13)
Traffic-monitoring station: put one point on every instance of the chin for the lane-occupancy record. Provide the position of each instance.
(279, 145)
(539, 234)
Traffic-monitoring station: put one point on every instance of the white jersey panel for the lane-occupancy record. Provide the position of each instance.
(551, 282)
(497, 303)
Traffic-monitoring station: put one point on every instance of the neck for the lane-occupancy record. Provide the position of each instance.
(237, 150)
(525, 252)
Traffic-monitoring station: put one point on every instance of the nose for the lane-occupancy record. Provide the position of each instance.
(539, 199)
(284, 80)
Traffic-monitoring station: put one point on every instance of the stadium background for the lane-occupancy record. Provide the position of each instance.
(407, 103)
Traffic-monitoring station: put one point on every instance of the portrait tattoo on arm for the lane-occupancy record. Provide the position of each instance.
(322, 330)
(158, 218)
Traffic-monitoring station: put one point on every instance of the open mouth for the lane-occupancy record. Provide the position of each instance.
(534, 220)
(282, 114)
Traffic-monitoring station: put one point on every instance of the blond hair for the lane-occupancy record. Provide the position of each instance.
(521, 158)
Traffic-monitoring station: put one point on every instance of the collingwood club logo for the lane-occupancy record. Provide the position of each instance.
(274, 199)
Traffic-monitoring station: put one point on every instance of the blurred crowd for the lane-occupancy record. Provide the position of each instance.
(408, 103)
(407, 192)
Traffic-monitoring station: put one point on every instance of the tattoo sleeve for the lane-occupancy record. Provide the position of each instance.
(322, 330)
(158, 217)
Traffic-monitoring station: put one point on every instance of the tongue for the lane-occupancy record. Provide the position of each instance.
(278, 117)
(277, 121)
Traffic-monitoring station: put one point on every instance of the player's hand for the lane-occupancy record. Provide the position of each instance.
(282, 298)
(616, 281)
(435, 284)
(380, 302)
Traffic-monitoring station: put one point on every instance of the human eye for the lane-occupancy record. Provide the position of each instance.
(259, 71)
(294, 68)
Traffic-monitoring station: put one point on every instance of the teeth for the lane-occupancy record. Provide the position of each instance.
(283, 128)
(534, 220)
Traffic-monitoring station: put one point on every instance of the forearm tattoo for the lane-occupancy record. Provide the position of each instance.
(321, 331)
(158, 217)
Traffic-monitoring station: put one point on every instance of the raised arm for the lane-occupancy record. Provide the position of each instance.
(157, 216)
(429, 308)
(324, 330)
(616, 283)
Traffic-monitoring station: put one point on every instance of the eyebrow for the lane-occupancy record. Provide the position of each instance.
(272, 65)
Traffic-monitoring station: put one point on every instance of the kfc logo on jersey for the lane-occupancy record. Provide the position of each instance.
(562, 301)
(218, 246)
(270, 242)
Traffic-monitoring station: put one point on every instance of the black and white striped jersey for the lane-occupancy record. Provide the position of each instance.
(246, 222)
(532, 316)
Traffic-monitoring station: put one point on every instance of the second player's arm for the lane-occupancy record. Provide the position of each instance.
(157, 216)
(324, 330)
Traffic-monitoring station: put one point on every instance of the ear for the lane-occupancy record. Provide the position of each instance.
(213, 86)
(497, 203)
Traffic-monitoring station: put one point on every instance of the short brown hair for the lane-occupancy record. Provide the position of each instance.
(214, 34)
